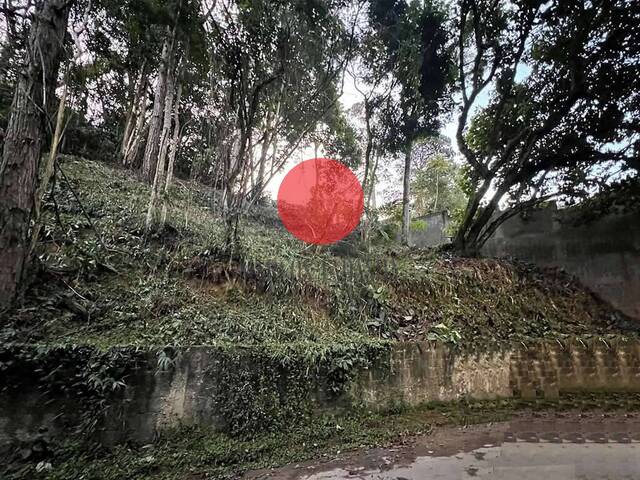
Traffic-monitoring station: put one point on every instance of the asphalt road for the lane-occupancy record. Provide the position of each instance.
(548, 446)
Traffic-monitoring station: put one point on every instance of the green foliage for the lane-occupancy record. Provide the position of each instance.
(342, 142)
(183, 287)
(84, 375)
(456, 218)
(444, 333)
(409, 42)
(208, 454)
(465, 181)
(385, 233)
(274, 389)
(618, 197)
(281, 317)
(275, 70)
(418, 225)
(436, 187)
(563, 104)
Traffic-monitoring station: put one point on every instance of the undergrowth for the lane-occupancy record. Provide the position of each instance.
(282, 315)
(198, 453)
(102, 282)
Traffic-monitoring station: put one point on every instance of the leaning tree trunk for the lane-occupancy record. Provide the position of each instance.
(465, 241)
(155, 123)
(47, 172)
(367, 165)
(271, 134)
(134, 142)
(264, 151)
(25, 135)
(406, 191)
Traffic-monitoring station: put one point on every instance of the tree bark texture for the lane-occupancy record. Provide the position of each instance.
(157, 189)
(173, 150)
(406, 200)
(134, 115)
(34, 94)
(152, 148)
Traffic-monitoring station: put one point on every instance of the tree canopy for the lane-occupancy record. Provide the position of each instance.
(545, 96)
(563, 103)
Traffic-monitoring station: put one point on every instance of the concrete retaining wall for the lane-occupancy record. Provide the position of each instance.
(411, 373)
(418, 372)
(434, 231)
(604, 254)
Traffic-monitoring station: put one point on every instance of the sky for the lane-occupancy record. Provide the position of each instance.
(350, 96)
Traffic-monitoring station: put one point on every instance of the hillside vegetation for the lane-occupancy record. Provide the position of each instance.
(101, 281)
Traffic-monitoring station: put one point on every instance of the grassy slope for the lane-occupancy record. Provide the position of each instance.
(178, 288)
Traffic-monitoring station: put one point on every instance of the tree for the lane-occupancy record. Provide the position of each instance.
(158, 114)
(375, 84)
(159, 176)
(436, 186)
(275, 74)
(33, 98)
(417, 54)
(164, 126)
(564, 103)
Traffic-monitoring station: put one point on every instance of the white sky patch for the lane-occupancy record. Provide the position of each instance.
(387, 177)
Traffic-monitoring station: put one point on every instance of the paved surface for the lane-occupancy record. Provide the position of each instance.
(542, 447)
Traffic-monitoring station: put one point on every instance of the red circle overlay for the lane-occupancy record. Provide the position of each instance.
(320, 201)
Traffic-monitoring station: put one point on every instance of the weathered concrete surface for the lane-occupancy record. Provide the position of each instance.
(604, 254)
(28, 416)
(434, 232)
(411, 373)
(156, 399)
(421, 372)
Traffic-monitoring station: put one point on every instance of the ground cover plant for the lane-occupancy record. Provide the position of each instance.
(103, 281)
(197, 453)
(141, 142)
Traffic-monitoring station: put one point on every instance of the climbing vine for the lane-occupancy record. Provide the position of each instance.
(87, 376)
(259, 389)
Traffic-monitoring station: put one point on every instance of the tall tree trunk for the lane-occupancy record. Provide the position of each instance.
(435, 201)
(24, 138)
(370, 199)
(271, 136)
(462, 242)
(48, 170)
(172, 153)
(135, 109)
(152, 148)
(406, 191)
(367, 167)
(129, 117)
(262, 163)
(264, 151)
(159, 178)
(175, 141)
(134, 142)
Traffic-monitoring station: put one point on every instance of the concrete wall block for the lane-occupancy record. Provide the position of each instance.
(412, 374)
